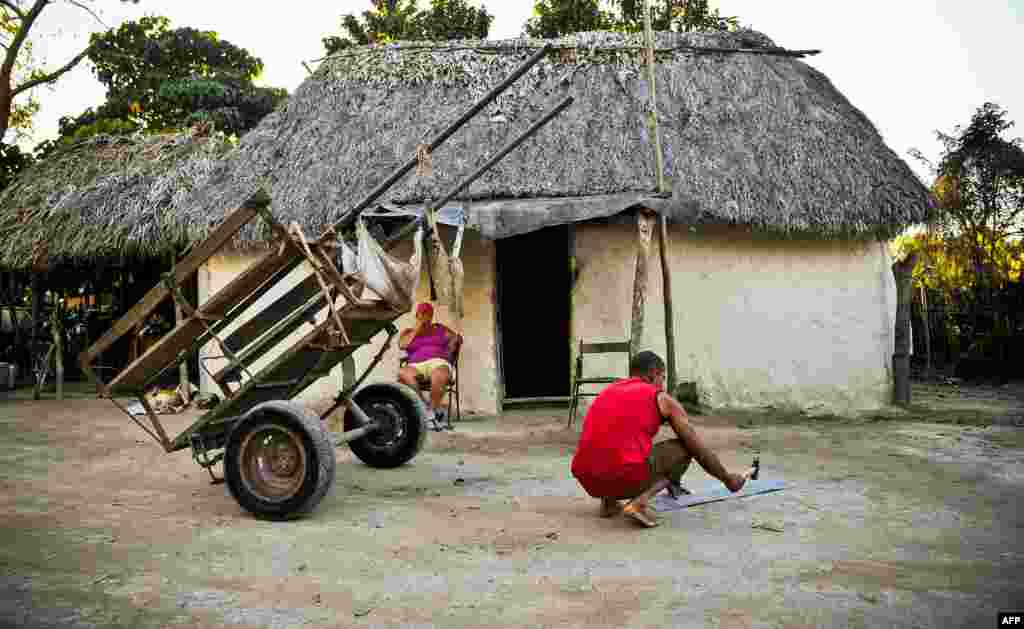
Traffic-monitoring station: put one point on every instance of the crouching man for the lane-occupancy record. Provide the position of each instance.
(616, 459)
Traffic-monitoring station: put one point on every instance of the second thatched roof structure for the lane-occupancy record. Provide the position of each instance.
(111, 198)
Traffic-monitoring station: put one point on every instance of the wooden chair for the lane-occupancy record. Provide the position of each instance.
(579, 381)
(451, 389)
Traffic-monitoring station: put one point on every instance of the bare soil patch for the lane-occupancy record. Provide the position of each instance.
(888, 520)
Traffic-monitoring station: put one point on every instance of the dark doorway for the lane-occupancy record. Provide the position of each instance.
(533, 313)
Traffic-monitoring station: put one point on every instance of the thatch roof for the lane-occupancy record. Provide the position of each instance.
(758, 139)
(108, 197)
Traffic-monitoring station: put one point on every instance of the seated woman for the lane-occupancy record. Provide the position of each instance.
(430, 347)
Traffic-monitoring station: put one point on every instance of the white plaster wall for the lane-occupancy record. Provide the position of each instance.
(478, 366)
(759, 322)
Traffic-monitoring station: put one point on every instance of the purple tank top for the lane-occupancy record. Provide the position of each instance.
(434, 344)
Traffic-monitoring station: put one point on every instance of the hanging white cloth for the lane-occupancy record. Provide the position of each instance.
(384, 277)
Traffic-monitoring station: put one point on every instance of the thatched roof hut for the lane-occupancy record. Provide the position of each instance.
(751, 135)
(754, 140)
(112, 198)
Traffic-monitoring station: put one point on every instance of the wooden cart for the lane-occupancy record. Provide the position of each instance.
(278, 459)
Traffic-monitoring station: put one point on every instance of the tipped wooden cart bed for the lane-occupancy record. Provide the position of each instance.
(278, 459)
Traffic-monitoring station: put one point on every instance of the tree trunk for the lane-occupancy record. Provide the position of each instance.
(903, 271)
(6, 103)
(645, 225)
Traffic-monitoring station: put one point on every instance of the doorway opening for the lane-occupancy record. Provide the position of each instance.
(534, 310)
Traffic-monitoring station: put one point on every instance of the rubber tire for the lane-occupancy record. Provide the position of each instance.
(413, 410)
(318, 449)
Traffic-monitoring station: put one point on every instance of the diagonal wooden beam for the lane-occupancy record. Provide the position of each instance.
(182, 270)
(182, 336)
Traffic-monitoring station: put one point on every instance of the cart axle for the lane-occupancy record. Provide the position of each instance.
(357, 433)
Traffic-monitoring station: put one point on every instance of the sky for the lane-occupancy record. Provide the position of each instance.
(912, 66)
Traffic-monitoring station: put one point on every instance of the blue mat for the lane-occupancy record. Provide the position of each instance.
(714, 493)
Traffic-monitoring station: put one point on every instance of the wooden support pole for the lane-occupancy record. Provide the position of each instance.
(903, 271)
(666, 295)
(659, 173)
(37, 310)
(645, 225)
(183, 383)
(925, 316)
(652, 114)
(57, 331)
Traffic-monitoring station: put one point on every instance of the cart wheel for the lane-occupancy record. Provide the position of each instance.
(279, 462)
(403, 419)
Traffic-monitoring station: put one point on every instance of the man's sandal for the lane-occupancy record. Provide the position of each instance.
(640, 515)
(677, 491)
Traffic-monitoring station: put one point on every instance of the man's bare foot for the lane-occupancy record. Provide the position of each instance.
(640, 514)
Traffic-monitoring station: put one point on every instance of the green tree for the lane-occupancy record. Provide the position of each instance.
(453, 19)
(553, 18)
(973, 251)
(386, 20)
(979, 189)
(162, 78)
(19, 71)
(947, 260)
(12, 162)
(673, 15)
(391, 20)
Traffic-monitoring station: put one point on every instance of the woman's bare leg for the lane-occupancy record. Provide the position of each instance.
(439, 379)
(407, 376)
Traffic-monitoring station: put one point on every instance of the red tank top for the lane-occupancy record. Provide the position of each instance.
(618, 431)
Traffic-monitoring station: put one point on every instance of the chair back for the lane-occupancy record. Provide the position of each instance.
(621, 347)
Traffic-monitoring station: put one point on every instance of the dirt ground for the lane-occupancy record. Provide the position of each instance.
(887, 521)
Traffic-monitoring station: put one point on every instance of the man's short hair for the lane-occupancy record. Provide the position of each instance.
(644, 362)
